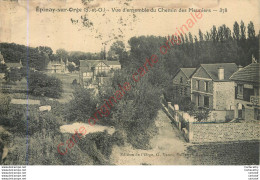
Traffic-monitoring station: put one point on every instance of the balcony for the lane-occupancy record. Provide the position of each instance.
(254, 100)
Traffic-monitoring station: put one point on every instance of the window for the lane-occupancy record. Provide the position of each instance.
(206, 86)
(185, 91)
(84, 74)
(197, 84)
(181, 81)
(240, 89)
(198, 100)
(206, 101)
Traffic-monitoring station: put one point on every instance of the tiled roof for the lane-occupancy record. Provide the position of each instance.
(212, 70)
(188, 71)
(90, 63)
(113, 62)
(14, 65)
(249, 73)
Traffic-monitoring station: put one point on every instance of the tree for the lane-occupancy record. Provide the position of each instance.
(214, 34)
(251, 30)
(243, 30)
(43, 85)
(117, 51)
(200, 35)
(201, 114)
(13, 75)
(3, 68)
(71, 67)
(82, 106)
(62, 54)
(134, 115)
(236, 31)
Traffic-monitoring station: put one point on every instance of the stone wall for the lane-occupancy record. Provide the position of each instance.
(224, 95)
(224, 132)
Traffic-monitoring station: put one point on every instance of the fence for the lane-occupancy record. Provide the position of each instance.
(198, 132)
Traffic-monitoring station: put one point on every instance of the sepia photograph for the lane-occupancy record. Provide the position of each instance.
(129, 82)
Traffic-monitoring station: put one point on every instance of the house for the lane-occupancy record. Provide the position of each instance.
(113, 64)
(8, 65)
(212, 88)
(14, 65)
(96, 71)
(181, 82)
(247, 92)
(57, 66)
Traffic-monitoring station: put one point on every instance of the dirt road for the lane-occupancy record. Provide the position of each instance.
(168, 148)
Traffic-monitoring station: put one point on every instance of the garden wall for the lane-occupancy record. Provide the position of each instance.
(223, 132)
(220, 116)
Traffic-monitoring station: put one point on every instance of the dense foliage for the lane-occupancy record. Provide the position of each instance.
(37, 58)
(82, 106)
(219, 45)
(43, 85)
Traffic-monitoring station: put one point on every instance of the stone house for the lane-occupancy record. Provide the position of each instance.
(212, 88)
(181, 82)
(57, 67)
(247, 92)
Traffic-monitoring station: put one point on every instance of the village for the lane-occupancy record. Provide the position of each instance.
(178, 111)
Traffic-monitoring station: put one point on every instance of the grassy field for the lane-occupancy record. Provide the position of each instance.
(67, 85)
(67, 80)
(236, 153)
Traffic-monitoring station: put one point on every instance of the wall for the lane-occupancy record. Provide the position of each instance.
(220, 116)
(176, 79)
(223, 95)
(203, 77)
(202, 85)
(178, 87)
(249, 113)
(194, 97)
(223, 132)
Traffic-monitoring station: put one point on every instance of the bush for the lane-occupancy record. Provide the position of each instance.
(98, 146)
(82, 106)
(13, 75)
(4, 104)
(43, 85)
(200, 114)
(74, 82)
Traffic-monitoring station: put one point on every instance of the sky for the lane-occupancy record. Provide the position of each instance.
(21, 21)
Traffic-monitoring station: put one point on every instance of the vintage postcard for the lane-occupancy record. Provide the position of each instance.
(129, 82)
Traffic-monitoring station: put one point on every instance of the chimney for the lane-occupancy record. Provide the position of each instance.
(240, 67)
(221, 73)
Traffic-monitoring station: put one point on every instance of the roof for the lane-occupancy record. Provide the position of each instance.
(113, 62)
(212, 70)
(14, 65)
(91, 63)
(188, 71)
(249, 73)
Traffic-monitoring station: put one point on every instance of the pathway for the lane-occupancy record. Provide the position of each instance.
(168, 147)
